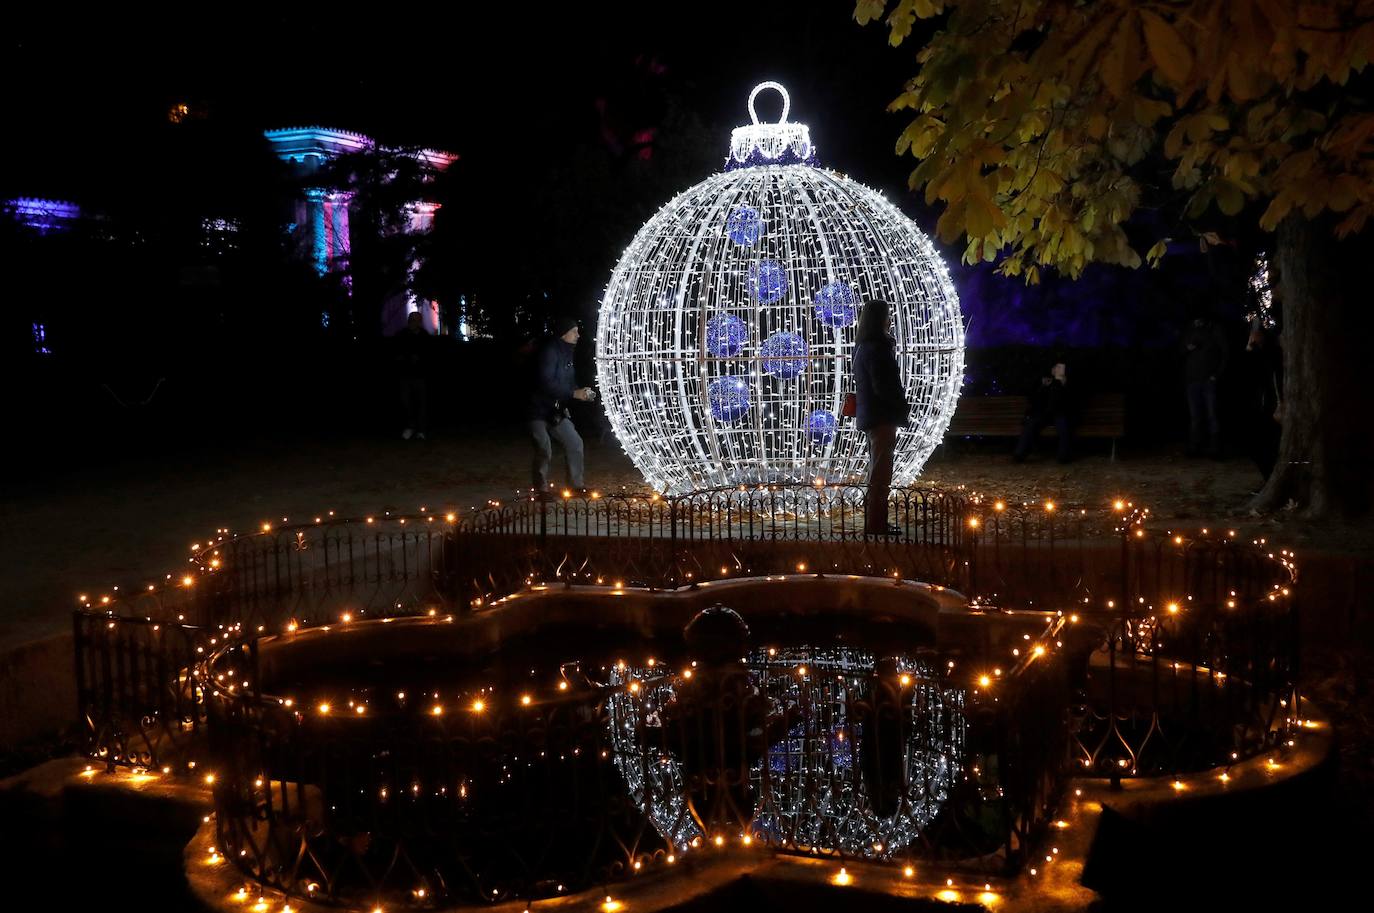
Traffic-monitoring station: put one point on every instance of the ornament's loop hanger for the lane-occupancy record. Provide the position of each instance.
(777, 143)
(777, 87)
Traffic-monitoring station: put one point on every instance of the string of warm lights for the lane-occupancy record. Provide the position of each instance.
(639, 514)
(785, 679)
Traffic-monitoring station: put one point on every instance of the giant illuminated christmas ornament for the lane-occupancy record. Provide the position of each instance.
(725, 335)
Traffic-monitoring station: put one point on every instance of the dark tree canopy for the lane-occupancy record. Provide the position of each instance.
(1044, 127)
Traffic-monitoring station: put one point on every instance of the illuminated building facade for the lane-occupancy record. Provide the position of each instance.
(322, 214)
(43, 216)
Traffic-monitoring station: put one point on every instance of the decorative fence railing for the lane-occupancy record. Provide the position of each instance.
(458, 562)
(1194, 661)
(829, 752)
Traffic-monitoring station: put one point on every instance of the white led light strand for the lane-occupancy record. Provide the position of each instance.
(726, 332)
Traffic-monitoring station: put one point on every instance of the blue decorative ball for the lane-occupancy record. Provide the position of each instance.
(768, 281)
(820, 426)
(725, 335)
(784, 355)
(729, 398)
(835, 305)
(744, 226)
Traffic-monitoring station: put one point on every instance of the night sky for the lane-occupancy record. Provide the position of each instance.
(521, 98)
(491, 89)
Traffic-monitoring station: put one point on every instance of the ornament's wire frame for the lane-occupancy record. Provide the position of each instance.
(682, 269)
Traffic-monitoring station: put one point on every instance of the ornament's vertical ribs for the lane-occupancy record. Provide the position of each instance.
(807, 192)
(843, 200)
(754, 457)
(687, 404)
(783, 410)
(752, 185)
(888, 248)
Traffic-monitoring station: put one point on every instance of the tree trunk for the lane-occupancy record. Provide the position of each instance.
(1326, 450)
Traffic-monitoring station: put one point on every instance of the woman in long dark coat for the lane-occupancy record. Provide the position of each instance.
(880, 409)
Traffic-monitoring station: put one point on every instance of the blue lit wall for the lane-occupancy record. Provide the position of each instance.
(44, 216)
(1106, 307)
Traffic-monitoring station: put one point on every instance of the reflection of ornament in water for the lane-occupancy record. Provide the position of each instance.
(729, 398)
(744, 226)
(796, 750)
(821, 792)
(784, 355)
(825, 792)
(835, 305)
(725, 335)
(820, 426)
(827, 244)
(768, 280)
(656, 784)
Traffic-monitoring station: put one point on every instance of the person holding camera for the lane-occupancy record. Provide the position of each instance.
(552, 388)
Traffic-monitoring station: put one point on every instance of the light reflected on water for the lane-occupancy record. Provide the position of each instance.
(857, 754)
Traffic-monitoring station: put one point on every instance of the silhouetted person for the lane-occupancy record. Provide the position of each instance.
(1048, 402)
(883, 725)
(413, 354)
(716, 722)
(552, 388)
(1263, 396)
(1204, 361)
(880, 409)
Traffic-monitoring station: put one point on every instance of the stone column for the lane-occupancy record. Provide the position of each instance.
(317, 231)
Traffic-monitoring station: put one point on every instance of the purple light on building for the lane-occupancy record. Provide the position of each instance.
(313, 146)
(323, 214)
(43, 216)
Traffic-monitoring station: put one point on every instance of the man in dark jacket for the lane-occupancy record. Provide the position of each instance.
(551, 389)
(1204, 361)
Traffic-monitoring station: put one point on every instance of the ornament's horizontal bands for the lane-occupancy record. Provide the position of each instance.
(658, 357)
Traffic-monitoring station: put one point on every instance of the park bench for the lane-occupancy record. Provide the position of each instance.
(1103, 415)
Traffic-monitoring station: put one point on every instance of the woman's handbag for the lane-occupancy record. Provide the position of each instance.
(850, 407)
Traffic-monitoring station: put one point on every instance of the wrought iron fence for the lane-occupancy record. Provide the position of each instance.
(1193, 659)
(418, 807)
(139, 701)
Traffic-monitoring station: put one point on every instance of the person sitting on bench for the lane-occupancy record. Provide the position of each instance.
(1048, 402)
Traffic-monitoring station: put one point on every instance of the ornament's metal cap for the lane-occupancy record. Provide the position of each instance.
(770, 144)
